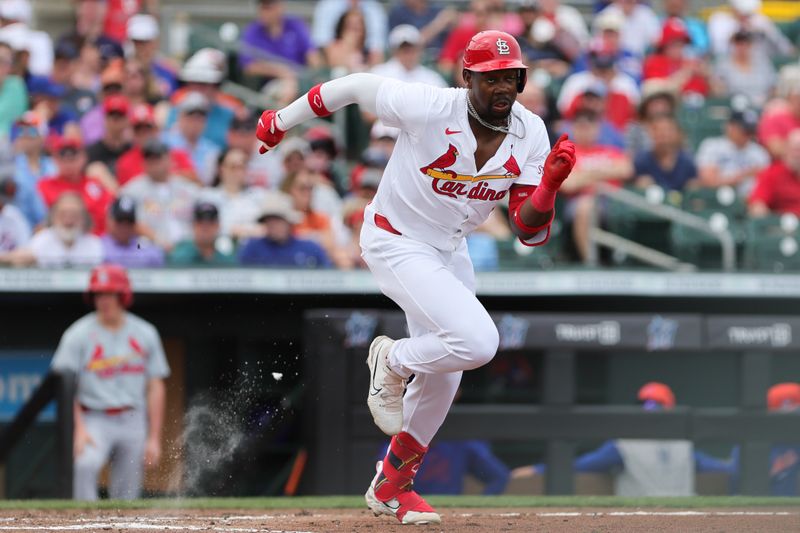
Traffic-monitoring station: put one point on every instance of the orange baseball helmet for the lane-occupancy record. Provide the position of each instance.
(783, 395)
(657, 392)
(110, 278)
(495, 50)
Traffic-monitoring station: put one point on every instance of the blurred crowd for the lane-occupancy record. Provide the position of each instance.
(111, 151)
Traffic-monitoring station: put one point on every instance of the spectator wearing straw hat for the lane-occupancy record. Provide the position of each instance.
(279, 248)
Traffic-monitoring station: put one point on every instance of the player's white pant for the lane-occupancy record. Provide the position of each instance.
(121, 439)
(450, 330)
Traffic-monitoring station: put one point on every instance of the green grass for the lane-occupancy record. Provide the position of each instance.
(357, 502)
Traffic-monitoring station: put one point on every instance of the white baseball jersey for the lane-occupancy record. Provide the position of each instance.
(113, 366)
(431, 190)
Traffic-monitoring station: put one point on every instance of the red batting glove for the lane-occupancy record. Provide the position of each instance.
(557, 167)
(268, 131)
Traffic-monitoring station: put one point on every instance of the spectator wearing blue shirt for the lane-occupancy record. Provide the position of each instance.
(279, 248)
(645, 467)
(667, 164)
(143, 32)
(45, 92)
(31, 164)
(187, 135)
(447, 463)
(594, 99)
(431, 20)
(696, 28)
(784, 458)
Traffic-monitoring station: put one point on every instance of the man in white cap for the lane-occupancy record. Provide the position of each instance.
(745, 14)
(15, 16)
(143, 32)
(405, 42)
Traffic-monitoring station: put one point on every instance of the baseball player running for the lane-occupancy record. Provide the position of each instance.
(119, 407)
(460, 152)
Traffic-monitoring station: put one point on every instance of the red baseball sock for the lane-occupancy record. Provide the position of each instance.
(399, 466)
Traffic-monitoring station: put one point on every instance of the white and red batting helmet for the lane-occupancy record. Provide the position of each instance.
(110, 278)
(495, 50)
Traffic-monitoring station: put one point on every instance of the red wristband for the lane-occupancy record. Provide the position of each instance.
(543, 199)
(316, 103)
(531, 230)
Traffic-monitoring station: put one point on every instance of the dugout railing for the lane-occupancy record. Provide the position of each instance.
(59, 387)
(343, 440)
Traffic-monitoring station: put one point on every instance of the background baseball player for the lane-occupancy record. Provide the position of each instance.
(119, 408)
(459, 153)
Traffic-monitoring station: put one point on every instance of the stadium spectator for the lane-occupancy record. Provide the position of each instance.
(164, 201)
(784, 458)
(89, 15)
(508, 21)
(115, 23)
(641, 28)
(93, 122)
(239, 205)
(699, 45)
(120, 366)
(405, 43)
(735, 158)
(187, 135)
(104, 154)
(744, 15)
(78, 100)
(15, 17)
(323, 157)
(595, 99)
(279, 248)
(565, 18)
(782, 115)
(14, 228)
(328, 17)
(546, 46)
(45, 99)
(131, 164)
(203, 73)
(672, 62)
(347, 52)
(87, 70)
(645, 467)
(431, 20)
(607, 37)
(739, 73)
(143, 33)
(70, 158)
(276, 45)
(777, 188)
(13, 93)
(482, 15)
(658, 99)
(314, 225)
(667, 164)
(594, 163)
(139, 85)
(121, 243)
(242, 136)
(31, 164)
(622, 91)
(448, 462)
(206, 247)
(66, 242)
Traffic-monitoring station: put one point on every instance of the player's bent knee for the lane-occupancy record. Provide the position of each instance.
(479, 343)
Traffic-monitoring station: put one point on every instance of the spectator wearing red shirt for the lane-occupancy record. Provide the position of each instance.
(783, 114)
(481, 16)
(131, 164)
(671, 60)
(70, 159)
(777, 187)
(118, 12)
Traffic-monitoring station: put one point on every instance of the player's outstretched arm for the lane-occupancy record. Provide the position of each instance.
(530, 217)
(320, 101)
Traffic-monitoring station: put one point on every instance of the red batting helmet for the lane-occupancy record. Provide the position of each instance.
(783, 396)
(657, 392)
(495, 50)
(111, 278)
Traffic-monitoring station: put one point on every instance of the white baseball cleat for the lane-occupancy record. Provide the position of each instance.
(385, 397)
(408, 507)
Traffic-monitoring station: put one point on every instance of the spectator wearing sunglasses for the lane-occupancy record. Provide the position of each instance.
(31, 164)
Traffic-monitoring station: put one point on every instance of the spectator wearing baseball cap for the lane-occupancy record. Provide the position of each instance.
(204, 73)
(14, 228)
(164, 200)
(16, 16)
(276, 45)
(734, 159)
(93, 121)
(672, 60)
(121, 243)
(31, 164)
(13, 93)
(607, 36)
(116, 132)
(187, 134)
(131, 164)
(242, 136)
(206, 247)
(143, 32)
(70, 159)
(641, 28)
(46, 93)
(279, 247)
(78, 100)
(88, 29)
(724, 22)
(405, 43)
(595, 99)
